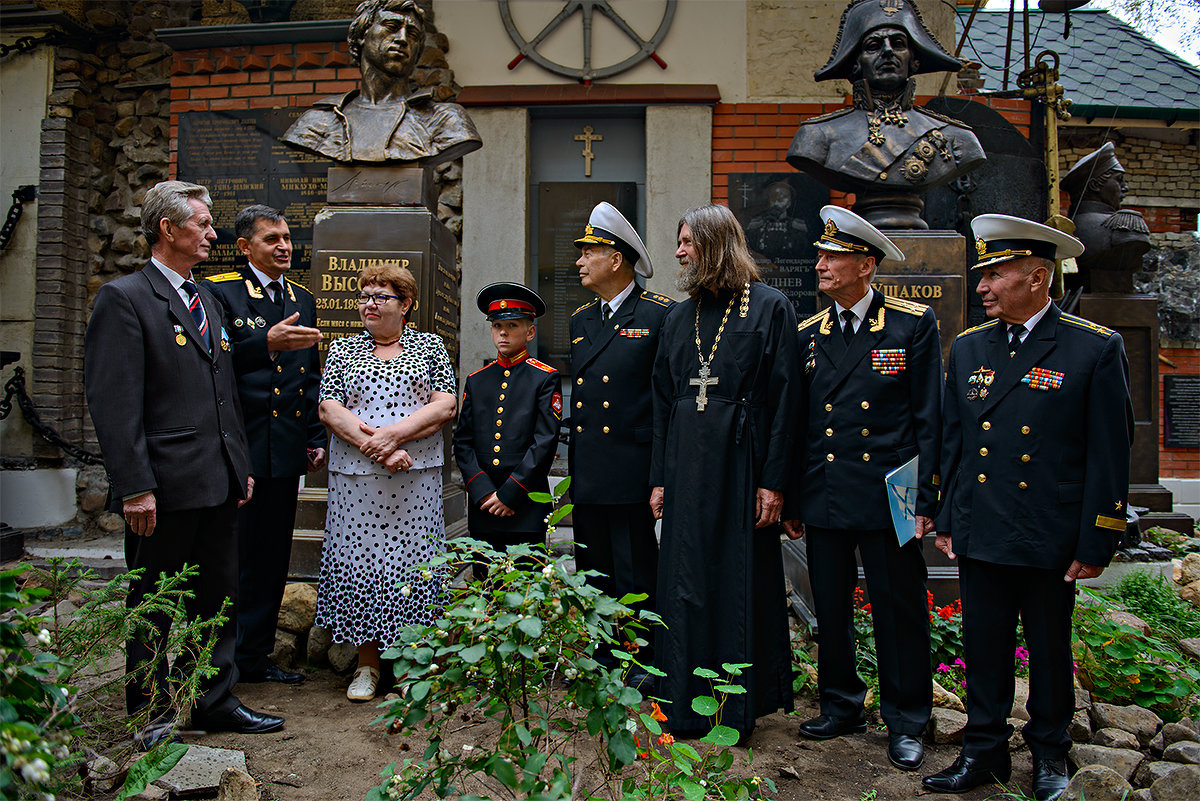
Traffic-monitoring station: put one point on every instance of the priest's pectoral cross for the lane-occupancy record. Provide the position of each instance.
(706, 380)
(587, 137)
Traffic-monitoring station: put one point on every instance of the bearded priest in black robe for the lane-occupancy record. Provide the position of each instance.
(724, 403)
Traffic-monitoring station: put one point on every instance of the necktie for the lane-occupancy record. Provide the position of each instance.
(197, 310)
(605, 311)
(276, 293)
(1014, 341)
(848, 325)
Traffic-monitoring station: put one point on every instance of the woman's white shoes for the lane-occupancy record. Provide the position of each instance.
(362, 686)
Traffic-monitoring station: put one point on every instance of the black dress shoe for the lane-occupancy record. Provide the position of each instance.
(272, 673)
(967, 773)
(1049, 778)
(905, 751)
(242, 720)
(826, 727)
(156, 731)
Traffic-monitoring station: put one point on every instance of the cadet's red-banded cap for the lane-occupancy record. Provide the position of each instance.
(505, 300)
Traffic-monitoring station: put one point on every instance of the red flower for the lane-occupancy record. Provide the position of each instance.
(929, 599)
(946, 612)
(666, 739)
(867, 608)
(657, 713)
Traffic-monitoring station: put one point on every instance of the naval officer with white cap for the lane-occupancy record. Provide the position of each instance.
(1037, 427)
(871, 395)
(614, 339)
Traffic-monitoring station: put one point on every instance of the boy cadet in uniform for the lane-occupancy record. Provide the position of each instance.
(508, 426)
(614, 339)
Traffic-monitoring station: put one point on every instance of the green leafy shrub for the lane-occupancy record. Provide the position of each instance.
(1153, 598)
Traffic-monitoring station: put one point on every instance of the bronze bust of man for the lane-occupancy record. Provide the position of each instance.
(882, 149)
(383, 121)
(1114, 239)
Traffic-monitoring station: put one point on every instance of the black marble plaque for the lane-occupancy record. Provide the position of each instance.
(563, 213)
(1181, 411)
(237, 155)
(781, 215)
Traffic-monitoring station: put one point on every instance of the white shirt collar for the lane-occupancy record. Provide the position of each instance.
(860, 309)
(175, 278)
(620, 297)
(1032, 322)
(263, 278)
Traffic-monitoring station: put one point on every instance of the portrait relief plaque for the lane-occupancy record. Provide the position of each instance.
(780, 213)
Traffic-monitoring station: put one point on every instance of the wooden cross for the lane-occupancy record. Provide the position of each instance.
(587, 137)
(705, 381)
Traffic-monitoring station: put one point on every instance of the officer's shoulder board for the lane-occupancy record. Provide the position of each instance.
(980, 327)
(584, 306)
(661, 300)
(545, 368)
(816, 318)
(903, 305)
(223, 277)
(481, 369)
(1087, 325)
(298, 286)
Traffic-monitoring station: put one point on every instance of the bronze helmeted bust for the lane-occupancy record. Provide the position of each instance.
(1114, 239)
(383, 121)
(882, 149)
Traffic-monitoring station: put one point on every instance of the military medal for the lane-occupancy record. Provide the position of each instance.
(238, 322)
(888, 361)
(253, 291)
(1043, 379)
(180, 339)
(635, 332)
(260, 321)
(978, 383)
(224, 344)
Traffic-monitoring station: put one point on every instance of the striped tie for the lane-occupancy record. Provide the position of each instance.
(198, 315)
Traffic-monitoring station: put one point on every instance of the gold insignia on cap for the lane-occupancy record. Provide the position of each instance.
(830, 228)
(587, 231)
(504, 304)
(980, 246)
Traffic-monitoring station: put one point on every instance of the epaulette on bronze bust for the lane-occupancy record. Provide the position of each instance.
(906, 306)
(833, 115)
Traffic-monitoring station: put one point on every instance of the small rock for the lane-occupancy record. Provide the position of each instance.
(1016, 740)
(1127, 619)
(1083, 699)
(102, 774)
(943, 698)
(299, 607)
(151, 793)
(317, 648)
(1181, 784)
(200, 770)
(1157, 744)
(1184, 751)
(1191, 647)
(1141, 795)
(236, 785)
(342, 657)
(1189, 569)
(110, 521)
(1140, 722)
(1191, 593)
(947, 725)
(1123, 760)
(286, 648)
(1096, 783)
(291, 780)
(1080, 727)
(1115, 738)
(1178, 732)
(1020, 699)
(1150, 772)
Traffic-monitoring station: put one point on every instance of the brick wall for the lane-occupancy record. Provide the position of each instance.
(754, 137)
(1177, 462)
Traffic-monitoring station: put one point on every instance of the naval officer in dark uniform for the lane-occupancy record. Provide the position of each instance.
(508, 425)
(272, 324)
(614, 340)
(872, 392)
(1037, 427)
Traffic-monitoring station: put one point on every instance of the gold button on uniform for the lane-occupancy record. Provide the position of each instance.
(279, 369)
(507, 373)
(986, 426)
(1024, 429)
(578, 404)
(276, 390)
(297, 412)
(982, 478)
(983, 451)
(829, 457)
(606, 404)
(829, 432)
(499, 410)
(501, 396)
(301, 371)
(865, 405)
(1023, 485)
(496, 448)
(1024, 457)
(604, 379)
(579, 381)
(606, 429)
(503, 385)
(499, 422)
(274, 412)
(829, 407)
(578, 429)
(866, 432)
(866, 457)
(495, 461)
(497, 435)
(302, 393)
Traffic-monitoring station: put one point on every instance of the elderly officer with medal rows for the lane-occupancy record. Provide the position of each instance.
(1037, 426)
(614, 339)
(871, 393)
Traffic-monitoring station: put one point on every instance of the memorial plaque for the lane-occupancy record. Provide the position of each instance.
(563, 214)
(780, 213)
(237, 156)
(387, 186)
(1181, 411)
(933, 273)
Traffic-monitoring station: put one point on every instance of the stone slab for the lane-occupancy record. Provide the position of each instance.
(200, 770)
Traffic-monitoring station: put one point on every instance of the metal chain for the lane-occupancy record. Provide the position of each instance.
(21, 195)
(15, 388)
(27, 43)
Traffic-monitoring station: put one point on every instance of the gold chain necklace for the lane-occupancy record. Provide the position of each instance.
(706, 378)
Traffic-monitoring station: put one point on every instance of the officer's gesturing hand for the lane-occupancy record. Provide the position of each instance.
(286, 336)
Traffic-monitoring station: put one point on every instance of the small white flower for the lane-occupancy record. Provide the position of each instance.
(426, 575)
(406, 590)
(44, 637)
(36, 771)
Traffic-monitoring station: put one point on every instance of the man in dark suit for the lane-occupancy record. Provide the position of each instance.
(872, 389)
(271, 322)
(1037, 428)
(160, 388)
(614, 340)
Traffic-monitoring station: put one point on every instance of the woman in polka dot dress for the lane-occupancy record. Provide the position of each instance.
(385, 395)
